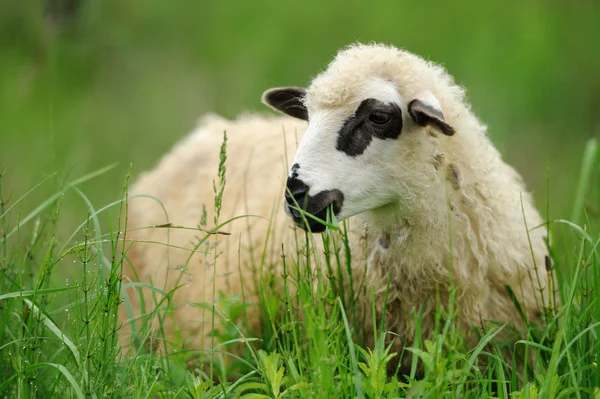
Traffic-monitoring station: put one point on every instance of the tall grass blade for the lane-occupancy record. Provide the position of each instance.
(588, 165)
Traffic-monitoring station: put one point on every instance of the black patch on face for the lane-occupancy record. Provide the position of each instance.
(372, 118)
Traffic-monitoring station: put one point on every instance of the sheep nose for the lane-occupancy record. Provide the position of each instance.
(296, 192)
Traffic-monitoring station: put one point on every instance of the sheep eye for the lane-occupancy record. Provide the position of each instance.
(379, 118)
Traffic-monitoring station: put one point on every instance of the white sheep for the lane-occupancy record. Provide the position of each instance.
(390, 140)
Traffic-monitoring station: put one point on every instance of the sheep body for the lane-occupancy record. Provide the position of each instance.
(257, 150)
(460, 217)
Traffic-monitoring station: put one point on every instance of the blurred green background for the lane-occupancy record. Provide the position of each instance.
(86, 83)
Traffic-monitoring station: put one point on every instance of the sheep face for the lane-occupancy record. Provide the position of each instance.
(349, 158)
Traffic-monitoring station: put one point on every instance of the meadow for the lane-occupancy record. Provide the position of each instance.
(91, 94)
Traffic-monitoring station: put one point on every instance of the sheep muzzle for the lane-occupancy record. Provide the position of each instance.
(300, 206)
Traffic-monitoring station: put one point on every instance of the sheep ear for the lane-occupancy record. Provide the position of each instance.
(426, 110)
(289, 100)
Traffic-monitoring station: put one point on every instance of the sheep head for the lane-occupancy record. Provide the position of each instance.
(367, 119)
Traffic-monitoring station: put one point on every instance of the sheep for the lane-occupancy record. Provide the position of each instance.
(391, 144)
(392, 141)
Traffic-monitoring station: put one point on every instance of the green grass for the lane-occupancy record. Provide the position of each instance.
(60, 337)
